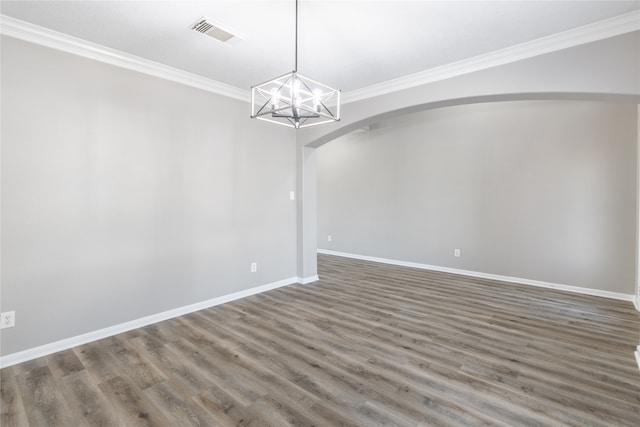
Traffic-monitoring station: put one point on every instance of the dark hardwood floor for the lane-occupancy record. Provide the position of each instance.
(367, 345)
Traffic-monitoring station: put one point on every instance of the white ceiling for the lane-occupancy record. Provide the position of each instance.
(345, 44)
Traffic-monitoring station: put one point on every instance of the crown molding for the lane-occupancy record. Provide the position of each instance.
(600, 30)
(35, 34)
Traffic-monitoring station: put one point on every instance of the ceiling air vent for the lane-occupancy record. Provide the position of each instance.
(205, 26)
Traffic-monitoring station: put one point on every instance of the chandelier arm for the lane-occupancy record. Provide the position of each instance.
(261, 108)
(317, 123)
(329, 113)
(280, 112)
(293, 123)
(307, 86)
(268, 101)
(316, 114)
(283, 84)
(320, 102)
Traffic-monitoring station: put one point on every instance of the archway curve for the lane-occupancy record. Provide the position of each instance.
(603, 70)
(320, 140)
(306, 160)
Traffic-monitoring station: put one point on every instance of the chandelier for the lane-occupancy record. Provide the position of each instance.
(295, 100)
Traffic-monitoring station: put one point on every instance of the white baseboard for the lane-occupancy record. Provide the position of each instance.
(54, 347)
(576, 289)
(637, 354)
(307, 280)
(636, 302)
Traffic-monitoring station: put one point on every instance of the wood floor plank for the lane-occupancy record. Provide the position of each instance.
(225, 411)
(88, 406)
(138, 368)
(170, 364)
(12, 411)
(367, 345)
(179, 408)
(97, 361)
(42, 399)
(132, 405)
(240, 386)
(64, 363)
(268, 410)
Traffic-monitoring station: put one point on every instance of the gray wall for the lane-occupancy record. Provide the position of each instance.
(125, 195)
(541, 190)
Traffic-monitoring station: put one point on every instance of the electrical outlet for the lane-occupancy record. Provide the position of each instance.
(292, 195)
(8, 319)
(456, 252)
(254, 267)
(329, 238)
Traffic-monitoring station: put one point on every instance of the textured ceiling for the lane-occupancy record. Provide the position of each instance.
(346, 44)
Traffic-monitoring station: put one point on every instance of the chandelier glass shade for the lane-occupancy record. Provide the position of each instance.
(295, 100)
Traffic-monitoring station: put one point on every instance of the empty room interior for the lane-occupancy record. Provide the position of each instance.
(319, 213)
